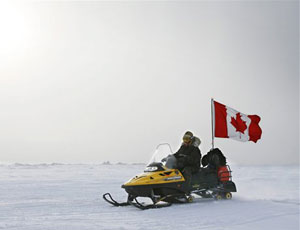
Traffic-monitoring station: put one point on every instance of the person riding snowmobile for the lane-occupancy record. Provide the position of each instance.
(188, 156)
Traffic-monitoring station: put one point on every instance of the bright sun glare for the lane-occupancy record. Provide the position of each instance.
(14, 30)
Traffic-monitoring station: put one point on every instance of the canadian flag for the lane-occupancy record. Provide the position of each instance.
(229, 123)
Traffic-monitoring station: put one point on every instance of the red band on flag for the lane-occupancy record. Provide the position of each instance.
(220, 120)
(254, 129)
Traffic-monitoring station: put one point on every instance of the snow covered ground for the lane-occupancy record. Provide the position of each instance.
(64, 197)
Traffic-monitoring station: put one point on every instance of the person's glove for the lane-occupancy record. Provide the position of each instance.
(165, 159)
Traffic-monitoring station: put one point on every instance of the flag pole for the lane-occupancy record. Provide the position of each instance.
(212, 122)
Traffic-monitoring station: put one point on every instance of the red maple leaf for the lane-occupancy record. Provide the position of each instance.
(238, 123)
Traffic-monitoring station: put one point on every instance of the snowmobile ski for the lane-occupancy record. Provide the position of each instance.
(113, 202)
(141, 206)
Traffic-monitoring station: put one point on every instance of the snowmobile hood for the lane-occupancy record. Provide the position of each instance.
(157, 177)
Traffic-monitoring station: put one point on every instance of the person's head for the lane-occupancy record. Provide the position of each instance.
(187, 138)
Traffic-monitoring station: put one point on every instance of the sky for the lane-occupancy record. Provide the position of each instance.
(94, 81)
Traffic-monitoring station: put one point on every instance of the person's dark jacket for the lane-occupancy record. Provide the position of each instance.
(188, 155)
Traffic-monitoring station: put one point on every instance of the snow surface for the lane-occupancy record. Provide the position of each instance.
(60, 196)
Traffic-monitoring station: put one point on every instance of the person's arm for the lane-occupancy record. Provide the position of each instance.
(179, 152)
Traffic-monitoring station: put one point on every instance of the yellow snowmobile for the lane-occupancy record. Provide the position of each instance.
(164, 184)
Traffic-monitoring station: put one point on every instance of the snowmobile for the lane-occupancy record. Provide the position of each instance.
(165, 185)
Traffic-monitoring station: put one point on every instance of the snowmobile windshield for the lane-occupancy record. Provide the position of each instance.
(163, 156)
